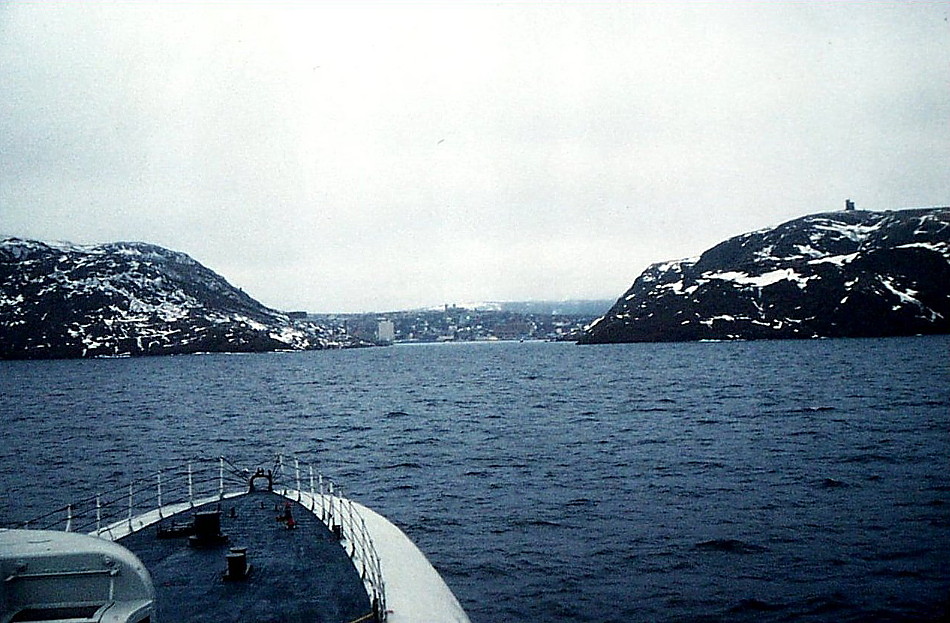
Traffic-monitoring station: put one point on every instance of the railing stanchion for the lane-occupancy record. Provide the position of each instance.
(323, 512)
(221, 478)
(349, 509)
(191, 489)
(297, 475)
(130, 507)
(98, 514)
(160, 495)
(69, 518)
(313, 499)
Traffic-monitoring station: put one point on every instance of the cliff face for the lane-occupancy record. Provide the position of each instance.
(841, 274)
(63, 300)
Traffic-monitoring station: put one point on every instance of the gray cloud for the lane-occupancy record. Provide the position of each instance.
(364, 156)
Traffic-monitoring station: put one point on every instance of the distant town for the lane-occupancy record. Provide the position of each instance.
(489, 322)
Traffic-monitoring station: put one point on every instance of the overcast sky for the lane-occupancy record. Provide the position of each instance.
(388, 155)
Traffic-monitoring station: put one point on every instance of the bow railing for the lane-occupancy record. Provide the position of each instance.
(118, 512)
(325, 500)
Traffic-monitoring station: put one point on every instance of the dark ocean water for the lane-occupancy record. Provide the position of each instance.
(758, 481)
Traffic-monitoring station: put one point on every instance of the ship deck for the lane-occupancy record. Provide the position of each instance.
(299, 574)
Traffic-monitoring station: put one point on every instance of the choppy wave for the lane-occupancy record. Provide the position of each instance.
(802, 481)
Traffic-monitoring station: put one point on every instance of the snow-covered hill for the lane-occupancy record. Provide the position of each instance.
(130, 298)
(841, 274)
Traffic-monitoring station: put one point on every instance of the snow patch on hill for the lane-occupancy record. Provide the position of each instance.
(130, 298)
(838, 274)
